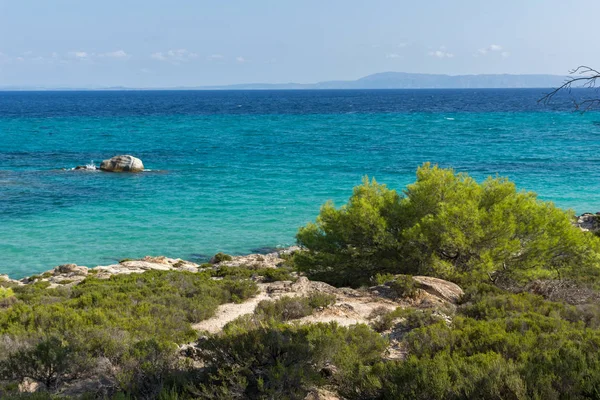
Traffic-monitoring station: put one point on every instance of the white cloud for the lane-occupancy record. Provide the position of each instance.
(79, 54)
(215, 57)
(489, 49)
(174, 56)
(505, 54)
(158, 56)
(240, 59)
(392, 55)
(441, 53)
(402, 45)
(115, 54)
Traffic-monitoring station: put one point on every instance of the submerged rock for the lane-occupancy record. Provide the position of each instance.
(122, 163)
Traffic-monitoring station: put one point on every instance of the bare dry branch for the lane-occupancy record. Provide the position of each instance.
(583, 77)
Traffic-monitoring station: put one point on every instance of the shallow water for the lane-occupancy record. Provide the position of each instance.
(236, 171)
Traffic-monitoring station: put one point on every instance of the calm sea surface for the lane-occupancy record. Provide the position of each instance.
(238, 171)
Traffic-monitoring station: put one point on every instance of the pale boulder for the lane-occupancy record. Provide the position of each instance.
(123, 163)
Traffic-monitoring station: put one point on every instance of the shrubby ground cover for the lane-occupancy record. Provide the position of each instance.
(501, 342)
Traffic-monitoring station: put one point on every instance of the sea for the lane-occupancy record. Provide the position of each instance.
(241, 171)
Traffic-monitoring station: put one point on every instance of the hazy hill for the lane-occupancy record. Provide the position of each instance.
(403, 80)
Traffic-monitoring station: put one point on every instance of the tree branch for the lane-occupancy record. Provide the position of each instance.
(585, 77)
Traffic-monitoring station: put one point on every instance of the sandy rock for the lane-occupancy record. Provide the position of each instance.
(271, 260)
(122, 163)
(445, 290)
(288, 251)
(70, 269)
(147, 263)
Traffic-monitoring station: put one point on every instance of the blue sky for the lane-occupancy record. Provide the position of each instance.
(156, 43)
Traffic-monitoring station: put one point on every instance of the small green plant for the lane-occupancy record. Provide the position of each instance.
(220, 257)
(5, 293)
(284, 309)
(382, 279)
(404, 286)
(321, 300)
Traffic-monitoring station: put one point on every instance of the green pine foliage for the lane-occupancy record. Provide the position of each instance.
(446, 225)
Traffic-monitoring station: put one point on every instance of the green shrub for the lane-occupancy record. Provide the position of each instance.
(246, 272)
(321, 300)
(220, 257)
(284, 309)
(51, 361)
(404, 286)
(5, 293)
(239, 290)
(407, 318)
(283, 361)
(445, 225)
(147, 368)
(269, 312)
(382, 279)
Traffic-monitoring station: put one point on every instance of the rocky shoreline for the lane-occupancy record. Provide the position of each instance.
(72, 274)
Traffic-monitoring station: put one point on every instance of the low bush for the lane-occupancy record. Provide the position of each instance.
(6, 293)
(269, 312)
(220, 257)
(404, 286)
(134, 321)
(282, 361)
(246, 272)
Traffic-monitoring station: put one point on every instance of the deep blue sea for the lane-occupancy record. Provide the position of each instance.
(236, 171)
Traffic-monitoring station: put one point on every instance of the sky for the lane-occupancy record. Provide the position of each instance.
(157, 43)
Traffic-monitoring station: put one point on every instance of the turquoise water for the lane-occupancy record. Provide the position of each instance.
(225, 179)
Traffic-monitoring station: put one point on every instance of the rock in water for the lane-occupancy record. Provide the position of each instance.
(124, 163)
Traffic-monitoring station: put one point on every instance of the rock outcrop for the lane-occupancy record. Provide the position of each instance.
(122, 163)
(445, 290)
(589, 222)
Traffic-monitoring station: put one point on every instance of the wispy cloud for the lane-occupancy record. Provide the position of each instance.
(240, 59)
(492, 48)
(174, 56)
(80, 55)
(441, 53)
(215, 57)
(115, 54)
(392, 55)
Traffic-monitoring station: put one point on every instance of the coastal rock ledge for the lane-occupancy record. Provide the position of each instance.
(122, 163)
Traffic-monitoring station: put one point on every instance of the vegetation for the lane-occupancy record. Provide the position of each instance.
(499, 346)
(284, 361)
(267, 274)
(495, 344)
(445, 225)
(54, 336)
(220, 257)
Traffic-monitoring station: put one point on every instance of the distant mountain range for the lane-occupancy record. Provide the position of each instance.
(383, 80)
(403, 80)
